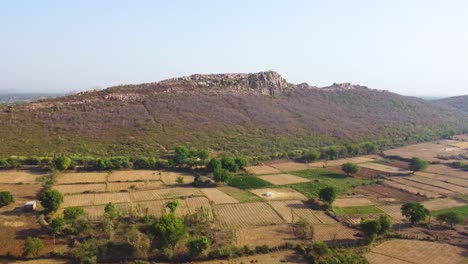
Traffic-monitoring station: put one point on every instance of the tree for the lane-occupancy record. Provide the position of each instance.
(333, 152)
(311, 155)
(198, 245)
(172, 205)
(350, 168)
(370, 229)
(320, 249)
(303, 229)
(451, 218)
(370, 147)
(32, 246)
(169, 230)
(70, 214)
(229, 164)
(418, 164)
(328, 195)
(51, 200)
(102, 164)
(203, 154)
(61, 163)
(143, 163)
(352, 149)
(197, 181)
(241, 162)
(56, 226)
(214, 164)
(111, 211)
(414, 212)
(180, 154)
(120, 162)
(385, 225)
(221, 175)
(6, 198)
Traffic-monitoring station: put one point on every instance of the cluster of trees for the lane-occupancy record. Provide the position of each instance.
(222, 168)
(374, 228)
(333, 152)
(6, 198)
(189, 157)
(320, 253)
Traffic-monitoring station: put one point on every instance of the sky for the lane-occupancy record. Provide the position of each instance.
(411, 47)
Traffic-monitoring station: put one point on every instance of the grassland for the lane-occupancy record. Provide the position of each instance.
(354, 210)
(462, 210)
(248, 182)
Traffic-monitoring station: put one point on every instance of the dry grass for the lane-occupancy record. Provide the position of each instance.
(427, 151)
(134, 175)
(445, 170)
(421, 185)
(444, 203)
(278, 257)
(458, 144)
(449, 179)
(385, 168)
(17, 176)
(419, 252)
(348, 201)
(80, 188)
(412, 190)
(386, 193)
(119, 186)
(79, 177)
(272, 236)
(167, 193)
(333, 232)
(282, 179)
(289, 166)
(170, 178)
(217, 196)
(246, 215)
(194, 203)
(262, 169)
(339, 162)
(279, 194)
(78, 200)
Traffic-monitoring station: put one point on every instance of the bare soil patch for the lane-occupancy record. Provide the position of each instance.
(347, 201)
(444, 178)
(80, 188)
(287, 256)
(291, 211)
(82, 177)
(246, 215)
(272, 236)
(444, 203)
(334, 233)
(385, 168)
(339, 162)
(427, 151)
(262, 169)
(217, 196)
(20, 176)
(170, 178)
(420, 252)
(135, 175)
(364, 173)
(289, 166)
(424, 179)
(279, 194)
(445, 170)
(120, 186)
(386, 193)
(167, 193)
(282, 179)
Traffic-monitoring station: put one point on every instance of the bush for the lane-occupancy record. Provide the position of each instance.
(229, 164)
(198, 246)
(451, 218)
(70, 214)
(32, 246)
(350, 168)
(418, 164)
(241, 162)
(120, 162)
(61, 163)
(221, 175)
(262, 249)
(328, 195)
(6, 198)
(169, 230)
(51, 200)
(311, 155)
(213, 165)
(144, 163)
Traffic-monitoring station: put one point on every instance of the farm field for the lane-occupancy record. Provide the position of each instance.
(244, 215)
(217, 196)
(394, 211)
(292, 210)
(414, 251)
(81, 177)
(273, 236)
(286, 256)
(386, 193)
(410, 187)
(357, 210)
(240, 195)
(334, 233)
(262, 169)
(18, 176)
(170, 178)
(348, 201)
(385, 168)
(444, 178)
(445, 170)
(278, 194)
(438, 183)
(120, 186)
(80, 188)
(339, 162)
(286, 166)
(134, 175)
(428, 151)
(364, 173)
(439, 204)
(282, 179)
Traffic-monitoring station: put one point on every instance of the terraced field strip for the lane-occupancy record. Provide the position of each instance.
(438, 184)
(246, 215)
(167, 193)
(357, 219)
(262, 169)
(407, 181)
(217, 196)
(376, 258)
(135, 175)
(428, 151)
(410, 189)
(385, 168)
(351, 201)
(78, 200)
(420, 252)
(120, 186)
(20, 176)
(80, 188)
(289, 166)
(449, 178)
(197, 203)
(105, 198)
(394, 211)
(444, 203)
(279, 194)
(273, 236)
(79, 177)
(339, 162)
(332, 232)
(170, 178)
(282, 179)
(293, 210)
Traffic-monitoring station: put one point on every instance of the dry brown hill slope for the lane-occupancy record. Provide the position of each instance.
(458, 102)
(249, 113)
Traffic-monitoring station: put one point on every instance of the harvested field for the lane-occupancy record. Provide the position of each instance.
(80, 188)
(419, 252)
(292, 210)
(119, 186)
(385, 168)
(240, 195)
(79, 177)
(279, 194)
(18, 176)
(170, 178)
(339, 162)
(411, 189)
(134, 175)
(439, 184)
(357, 218)
(333, 232)
(272, 236)
(282, 179)
(289, 166)
(394, 211)
(44, 261)
(421, 185)
(217, 196)
(427, 151)
(262, 169)
(445, 170)
(246, 215)
(78, 200)
(21, 194)
(347, 201)
(375, 258)
(364, 173)
(105, 198)
(458, 144)
(448, 179)
(386, 193)
(194, 203)
(444, 203)
(167, 193)
(278, 257)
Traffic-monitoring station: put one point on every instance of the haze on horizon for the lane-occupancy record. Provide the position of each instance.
(408, 47)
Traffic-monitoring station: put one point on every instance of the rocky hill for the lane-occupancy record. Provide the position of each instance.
(249, 113)
(458, 102)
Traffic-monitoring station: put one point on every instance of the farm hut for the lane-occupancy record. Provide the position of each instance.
(30, 206)
(268, 194)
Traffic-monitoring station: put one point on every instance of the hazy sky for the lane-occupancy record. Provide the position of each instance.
(413, 47)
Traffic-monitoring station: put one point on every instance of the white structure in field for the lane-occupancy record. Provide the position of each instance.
(30, 206)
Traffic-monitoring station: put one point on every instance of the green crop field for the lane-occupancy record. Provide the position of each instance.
(357, 210)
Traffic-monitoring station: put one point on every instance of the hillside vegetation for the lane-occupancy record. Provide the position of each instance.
(245, 113)
(459, 102)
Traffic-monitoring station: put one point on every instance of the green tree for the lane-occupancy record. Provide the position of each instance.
(180, 180)
(120, 162)
(221, 175)
(370, 147)
(61, 163)
(139, 242)
(229, 163)
(328, 195)
(414, 212)
(71, 214)
(198, 245)
(214, 164)
(112, 211)
(451, 218)
(352, 149)
(6, 198)
(311, 155)
(333, 152)
(320, 249)
(241, 162)
(56, 227)
(203, 154)
(169, 230)
(32, 246)
(303, 229)
(350, 168)
(370, 229)
(172, 205)
(385, 224)
(144, 163)
(418, 164)
(180, 154)
(197, 181)
(51, 200)
(102, 165)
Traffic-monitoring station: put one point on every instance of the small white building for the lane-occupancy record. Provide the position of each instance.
(30, 206)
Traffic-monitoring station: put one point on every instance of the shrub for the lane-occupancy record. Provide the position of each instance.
(264, 249)
(120, 162)
(6, 198)
(418, 164)
(169, 230)
(198, 246)
(144, 163)
(221, 175)
(451, 218)
(32, 246)
(350, 168)
(328, 195)
(61, 163)
(214, 164)
(51, 200)
(229, 164)
(241, 162)
(70, 214)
